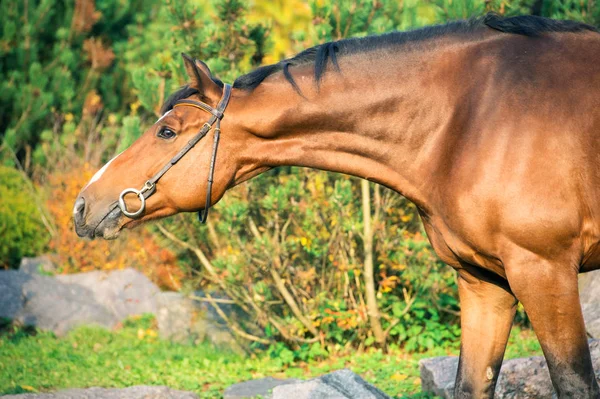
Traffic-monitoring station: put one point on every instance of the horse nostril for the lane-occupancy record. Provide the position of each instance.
(78, 210)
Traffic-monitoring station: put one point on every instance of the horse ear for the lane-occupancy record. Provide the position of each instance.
(201, 79)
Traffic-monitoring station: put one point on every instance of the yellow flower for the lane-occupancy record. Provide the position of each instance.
(398, 377)
(151, 333)
(134, 107)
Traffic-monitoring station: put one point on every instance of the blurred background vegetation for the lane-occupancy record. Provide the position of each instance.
(80, 80)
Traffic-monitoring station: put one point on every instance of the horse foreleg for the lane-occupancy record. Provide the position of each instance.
(550, 296)
(487, 313)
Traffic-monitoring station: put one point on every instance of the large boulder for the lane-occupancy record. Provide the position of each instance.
(589, 293)
(11, 292)
(182, 318)
(519, 378)
(137, 392)
(38, 265)
(124, 292)
(174, 316)
(52, 305)
(341, 384)
(525, 377)
(62, 303)
(438, 375)
(261, 387)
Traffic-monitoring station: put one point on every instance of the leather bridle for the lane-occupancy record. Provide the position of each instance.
(149, 187)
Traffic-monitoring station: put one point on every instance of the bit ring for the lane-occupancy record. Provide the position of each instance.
(123, 205)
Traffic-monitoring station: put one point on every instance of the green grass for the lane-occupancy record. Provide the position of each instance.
(134, 356)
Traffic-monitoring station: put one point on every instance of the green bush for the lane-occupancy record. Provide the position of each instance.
(22, 232)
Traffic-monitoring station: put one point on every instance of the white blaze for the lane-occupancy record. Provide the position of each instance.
(161, 118)
(99, 173)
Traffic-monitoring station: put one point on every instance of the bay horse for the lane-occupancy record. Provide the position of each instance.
(490, 126)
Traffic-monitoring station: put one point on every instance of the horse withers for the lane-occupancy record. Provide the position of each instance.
(490, 126)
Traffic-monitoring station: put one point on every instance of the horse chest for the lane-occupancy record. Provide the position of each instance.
(456, 251)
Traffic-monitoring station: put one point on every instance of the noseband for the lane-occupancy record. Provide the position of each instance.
(149, 187)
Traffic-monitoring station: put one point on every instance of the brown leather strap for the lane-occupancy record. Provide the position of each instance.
(200, 105)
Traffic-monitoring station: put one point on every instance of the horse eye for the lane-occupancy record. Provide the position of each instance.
(166, 133)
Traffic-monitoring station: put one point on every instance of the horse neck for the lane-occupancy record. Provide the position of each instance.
(383, 125)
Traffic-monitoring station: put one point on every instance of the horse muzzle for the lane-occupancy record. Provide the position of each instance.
(94, 224)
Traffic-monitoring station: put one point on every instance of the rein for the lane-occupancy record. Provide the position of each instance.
(149, 187)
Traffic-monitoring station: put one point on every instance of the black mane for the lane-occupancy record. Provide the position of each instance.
(527, 25)
(530, 25)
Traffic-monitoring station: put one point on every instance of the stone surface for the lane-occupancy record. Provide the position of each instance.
(519, 378)
(589, 293)
(60, 303)
(207, 325)
(253, 388)
(438, 375)
(123, 292)
(38, 265)
(341, 384)
(49, 304)
(137, 392)
(183, 319)
(174, 316)
(595, 352)
(524, 378)
(11, 292)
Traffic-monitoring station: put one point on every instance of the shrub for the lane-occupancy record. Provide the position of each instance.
(21, 228)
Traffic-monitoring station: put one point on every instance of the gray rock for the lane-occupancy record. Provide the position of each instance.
(261, 387)
(57, 305)
(11, 292)
(208, 325)
(183, 319)
(52, 305)
(589, 294)
(438, 375)
(341, 384)
(524, 378)
(60, 303)
(174, 316)
(123, 292)
(137, 392)
(38, 265)
(519, 378)
(595, 352)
